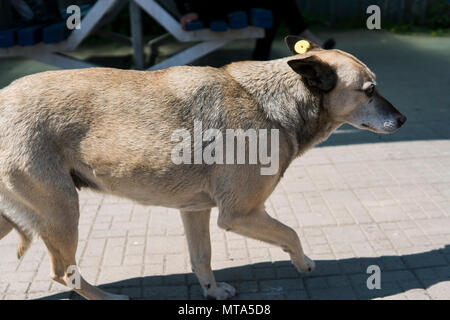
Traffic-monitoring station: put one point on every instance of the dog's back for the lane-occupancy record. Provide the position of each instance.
(110, 130)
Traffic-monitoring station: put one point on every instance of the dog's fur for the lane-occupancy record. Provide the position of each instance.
(109, 130)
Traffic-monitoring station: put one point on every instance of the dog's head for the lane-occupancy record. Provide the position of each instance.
(349, 87)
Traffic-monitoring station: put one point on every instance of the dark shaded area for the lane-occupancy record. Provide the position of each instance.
(121, 62)
(80, 181)
(332, 279)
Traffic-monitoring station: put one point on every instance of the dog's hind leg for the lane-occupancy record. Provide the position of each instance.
(261, 226)
(61, 238)
(53, 213)
(196, 226)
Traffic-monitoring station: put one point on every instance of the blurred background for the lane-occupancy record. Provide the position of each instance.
(110, 44)
(410, 53)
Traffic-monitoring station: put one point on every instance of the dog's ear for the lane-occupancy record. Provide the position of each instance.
(292, 40)
(316, 72)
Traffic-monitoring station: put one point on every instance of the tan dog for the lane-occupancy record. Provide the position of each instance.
(109, 130)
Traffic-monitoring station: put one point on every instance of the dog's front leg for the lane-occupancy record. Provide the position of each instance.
(260, 225)
(196, 226)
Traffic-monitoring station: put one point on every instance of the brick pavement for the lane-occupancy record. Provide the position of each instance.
(382, 205)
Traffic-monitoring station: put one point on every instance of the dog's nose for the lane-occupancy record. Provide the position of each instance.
(401, 120)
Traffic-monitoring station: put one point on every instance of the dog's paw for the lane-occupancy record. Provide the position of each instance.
(306, 265)
(223, 291)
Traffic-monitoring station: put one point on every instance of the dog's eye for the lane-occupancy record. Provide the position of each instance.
(370, 90)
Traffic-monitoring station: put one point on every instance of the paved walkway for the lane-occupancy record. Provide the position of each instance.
(360, 199)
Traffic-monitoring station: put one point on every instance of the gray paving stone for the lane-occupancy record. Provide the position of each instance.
(264, 273)
(337, 281)
(165, 292)
(342, 293)
(281, 285)
(430, 260)
(297, 295)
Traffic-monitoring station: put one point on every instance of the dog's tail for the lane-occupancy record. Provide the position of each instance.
(24, 240)
(5, 226)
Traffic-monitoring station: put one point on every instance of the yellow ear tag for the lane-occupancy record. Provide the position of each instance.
(302, 46)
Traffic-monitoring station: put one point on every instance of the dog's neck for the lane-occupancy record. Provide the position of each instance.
(286, 100)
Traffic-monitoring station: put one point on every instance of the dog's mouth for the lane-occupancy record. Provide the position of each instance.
(385, 130)
(369, 127)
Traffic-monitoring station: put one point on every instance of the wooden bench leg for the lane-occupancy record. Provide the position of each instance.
(190, 54)
(61, 61)
(136, 35)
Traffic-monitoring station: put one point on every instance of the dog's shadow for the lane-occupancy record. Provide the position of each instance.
(332, 279)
